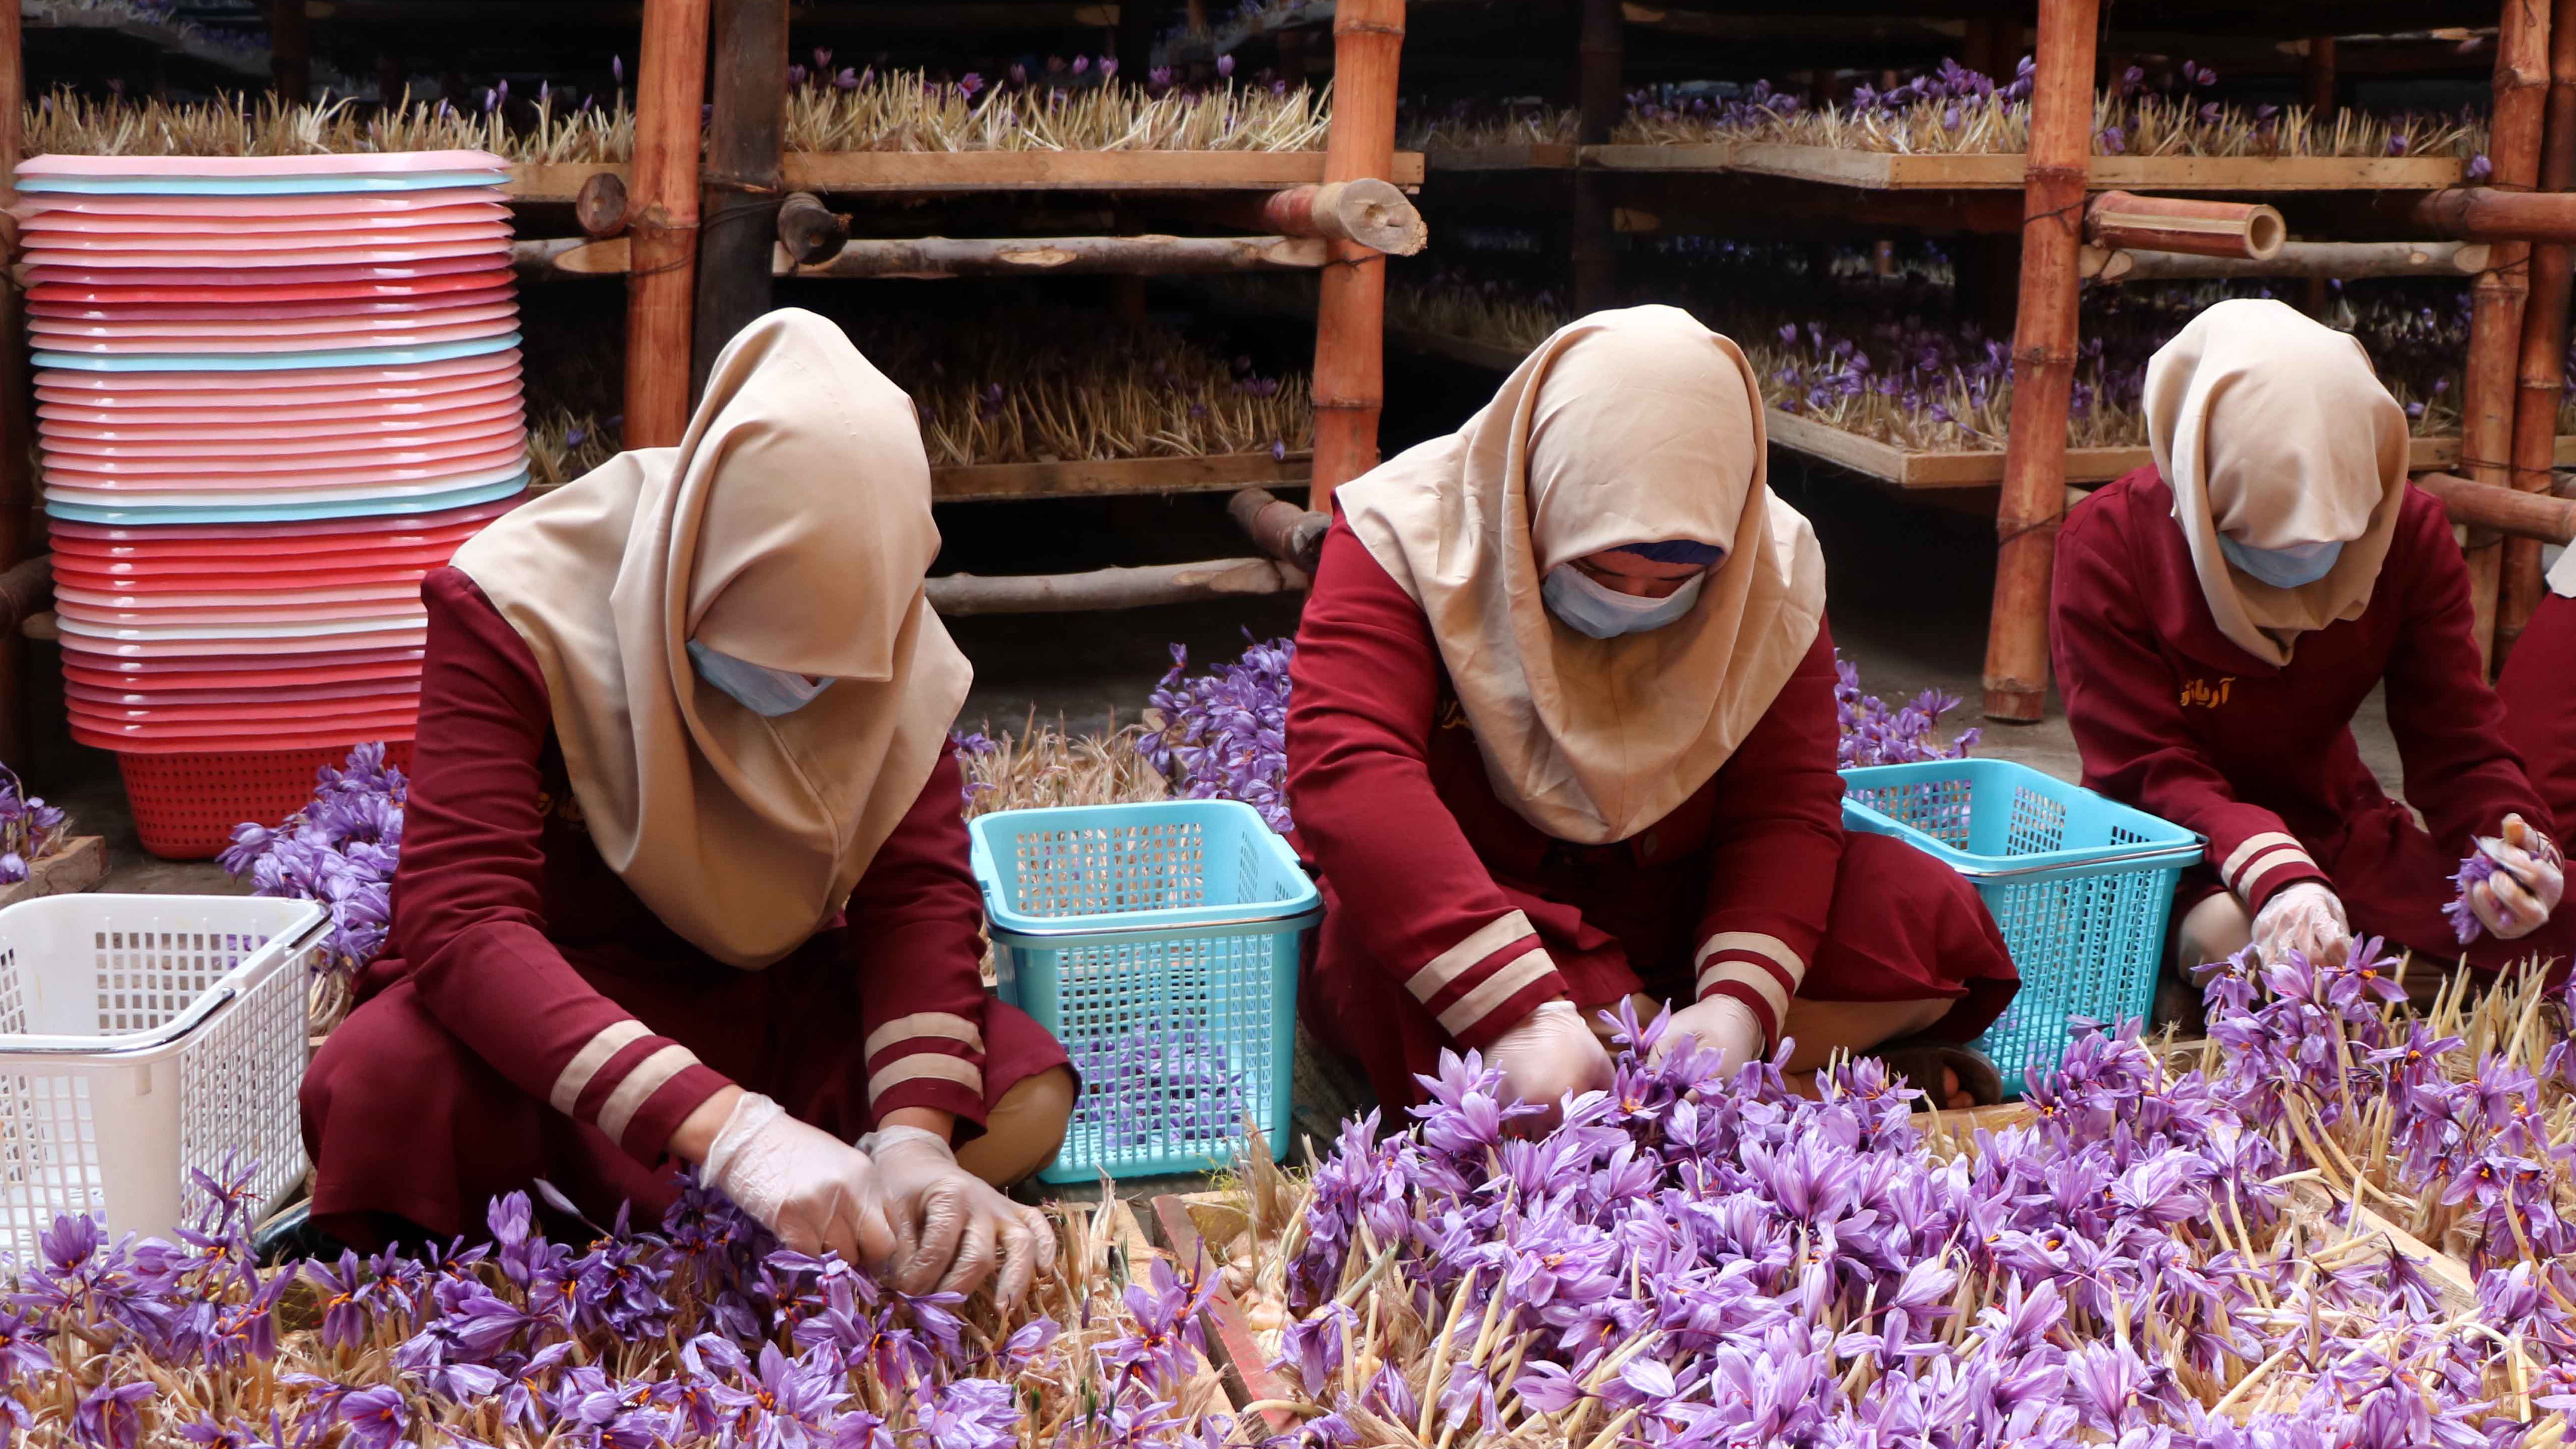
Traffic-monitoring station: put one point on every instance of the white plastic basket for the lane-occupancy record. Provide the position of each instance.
(140, 1037)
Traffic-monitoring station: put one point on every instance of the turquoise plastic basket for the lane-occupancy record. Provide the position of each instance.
(2081, 886)
(1159, 942)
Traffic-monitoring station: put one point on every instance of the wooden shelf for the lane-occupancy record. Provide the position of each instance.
(915, 172)
(1893, 171)
(1113, 477)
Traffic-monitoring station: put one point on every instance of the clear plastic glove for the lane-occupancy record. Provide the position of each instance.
(1551, 1053)
(811, 1189)
(1719, 1024)
(953, 1226)
(2305, 918)
(2530, 878)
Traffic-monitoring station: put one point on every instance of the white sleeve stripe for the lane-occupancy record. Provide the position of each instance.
(1449, 965)
(649, 1077)
(926, 1064)
(1771, 948)
(1751, 973)
(2250, 847)
(1507, 981)
(944, 1024)
(585, 1064)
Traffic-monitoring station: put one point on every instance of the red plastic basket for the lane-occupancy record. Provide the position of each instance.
(185, 806)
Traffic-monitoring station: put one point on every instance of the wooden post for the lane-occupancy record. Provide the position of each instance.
(2318, 75)
(1135, 39)
(1989, 46)
(2034, 497)
(670, 84)
(17, 413)
(1350, 308)
(2496, 306)
(2543, 374)
(739, 194)
(290, 52)
(1596, 257)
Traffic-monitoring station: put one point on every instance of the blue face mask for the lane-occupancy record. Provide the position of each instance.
(1590, 607)
(764, 691)
(2282, 568)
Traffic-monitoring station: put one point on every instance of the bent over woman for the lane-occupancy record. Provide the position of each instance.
(683, 879)
(1563, 733)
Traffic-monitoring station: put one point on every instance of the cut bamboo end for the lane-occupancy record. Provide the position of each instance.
(2249, 230)
(1369, 211)
(600, 205)
(811, 232)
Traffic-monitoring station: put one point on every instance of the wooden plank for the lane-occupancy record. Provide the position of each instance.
(1101, 478)
(1982, 469)
(1238, 1354)
(951, 171)
(1525, 156)
(2002, 171)
(557, 182)
(1710, 156)
(78, 866)
(559, 257)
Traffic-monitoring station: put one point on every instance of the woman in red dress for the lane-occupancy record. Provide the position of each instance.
(684, 881)
(1563, 734)
(2538, 687)
(2222, 614)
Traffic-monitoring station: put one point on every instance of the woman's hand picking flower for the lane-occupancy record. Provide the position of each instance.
(2305, 918)
(952, 1226)
(805, 1185)
(1550, 1054)
(1719, 1024)
(2529, 879)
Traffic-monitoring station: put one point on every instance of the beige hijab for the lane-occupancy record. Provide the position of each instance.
(790, 528)
(1634, 426)
(2273, 430)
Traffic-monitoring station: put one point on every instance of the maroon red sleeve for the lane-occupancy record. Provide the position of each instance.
(2124, 704)
(916, 946)
(2538, 689)
(2449, 724)
(467, 902)
(1367, 683)
(1778, 844)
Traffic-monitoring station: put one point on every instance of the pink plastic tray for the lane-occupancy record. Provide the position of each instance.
(340, 433)
(355, 448)
(259, 322)
(256, 705)
(241, 671)
(152, 582)
(373, 593)
(227, 281)
(448, 526)
(41, 227)
(364, 284)
(392, 401)
(262, 743)
(388, 472)
(266, 311)
(281, 645)
(354, 163)
(105, 267)
(137, 344)
(390, 686)
(277, 615)
(284, 387)
(256, 208)
(406, 412)
(83, 247)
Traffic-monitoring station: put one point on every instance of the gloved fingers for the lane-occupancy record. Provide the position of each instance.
(2506, 908)
(941, 1222)
(873, 1227)
(1019, 1262)
(797, 1235)
(1042, 1232)
(976, 1247)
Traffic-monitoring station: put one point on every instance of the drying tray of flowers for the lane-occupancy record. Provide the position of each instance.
(2233, 1250)
(1959, 129)
(1067, 125)
(1872, 373)
(39, 855)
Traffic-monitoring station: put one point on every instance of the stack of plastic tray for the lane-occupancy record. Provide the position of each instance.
(272, 393)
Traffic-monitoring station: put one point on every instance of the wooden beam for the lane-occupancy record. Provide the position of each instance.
(738, 191)
(1350, 308)
(2044, 337)
(1125, 588)
(2002, 171)
(2485, 213)
(2541, 380)
(1231, 1345)
(663, 234)
(2538, 518)
(1070, 255)
(827, 172)
(2346, 260)
(1101, 478)
(2497, 299)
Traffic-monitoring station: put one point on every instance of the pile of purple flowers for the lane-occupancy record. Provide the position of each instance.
(30, 829)
(1160, 1088)
(702, 1333)
(1224, 734)
(1705, 1259)
(340, 849)
(1873, 734)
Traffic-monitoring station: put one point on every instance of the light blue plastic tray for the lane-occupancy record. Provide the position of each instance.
(293, 512)
(258, 185)
(277, 361)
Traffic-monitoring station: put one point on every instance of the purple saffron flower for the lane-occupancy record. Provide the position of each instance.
(111, 1417)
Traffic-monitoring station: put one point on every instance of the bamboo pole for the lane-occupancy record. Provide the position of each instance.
(2034, 495)
(1369, 211)
(810, 232)
(1279, 529)
(1595, 246)
(2482, 213)
(2314, 260)
(2247, 230)
(1350, 309)
(663, 225)
(2543, 374)
(2510, 512)
(17, 413)
(738, 192)
(1126, 588)
(2317, 71)
(2496, 308)
(939, 256)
